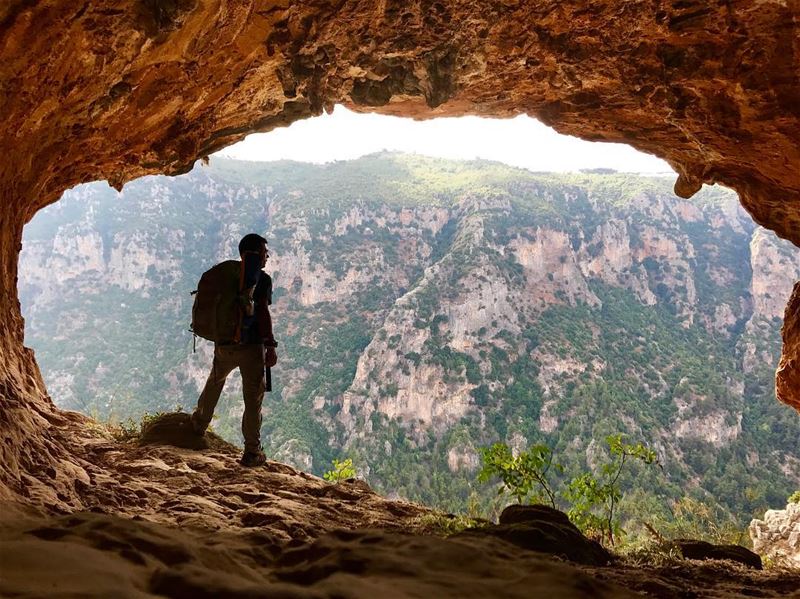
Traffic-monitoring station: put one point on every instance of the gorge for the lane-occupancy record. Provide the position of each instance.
(426, 308)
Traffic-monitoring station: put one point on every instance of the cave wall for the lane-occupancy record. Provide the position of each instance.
(123, 88)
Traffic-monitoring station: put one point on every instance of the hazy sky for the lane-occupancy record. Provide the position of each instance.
(521, 141)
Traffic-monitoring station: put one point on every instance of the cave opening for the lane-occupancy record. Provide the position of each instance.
(569, 251)
(95, 94)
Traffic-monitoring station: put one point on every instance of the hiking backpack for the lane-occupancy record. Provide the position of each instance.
(216, 313)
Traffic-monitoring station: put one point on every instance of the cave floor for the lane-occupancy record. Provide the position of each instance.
(162, 521)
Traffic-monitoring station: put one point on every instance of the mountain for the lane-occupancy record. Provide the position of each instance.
(426, 308)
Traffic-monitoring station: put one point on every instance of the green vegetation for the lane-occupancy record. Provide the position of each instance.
(400, 256)
(449, 524)
(691, 518)
(130, 430)
(595, 498)
(592, 499)
(653, 553)
(340, 471)
(524, 476)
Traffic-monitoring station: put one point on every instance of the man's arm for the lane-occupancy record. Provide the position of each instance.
(270, 355)
(263, 301)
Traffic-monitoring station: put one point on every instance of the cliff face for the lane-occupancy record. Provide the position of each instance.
(767, 295)
(420, 319)
(510, 299)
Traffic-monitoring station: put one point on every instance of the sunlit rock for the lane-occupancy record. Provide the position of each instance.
(777, 535)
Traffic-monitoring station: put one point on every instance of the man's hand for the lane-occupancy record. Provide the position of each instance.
(270, 357)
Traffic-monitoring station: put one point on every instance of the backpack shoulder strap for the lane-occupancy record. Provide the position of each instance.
(239, 315)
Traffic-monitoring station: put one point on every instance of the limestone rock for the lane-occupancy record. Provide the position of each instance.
(183, 82)
(551, 266)
(777, 536)
(787, 378)
(544, 529)
(772, 255)
(712, 428)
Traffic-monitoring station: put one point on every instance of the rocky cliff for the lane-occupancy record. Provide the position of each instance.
(427, 307)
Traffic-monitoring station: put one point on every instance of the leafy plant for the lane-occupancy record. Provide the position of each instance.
(130, 430)
(794, 497)
(124, 431)
(595, 499)
(340, 471)
(524, 476)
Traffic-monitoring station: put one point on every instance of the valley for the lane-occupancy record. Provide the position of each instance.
(426, 308)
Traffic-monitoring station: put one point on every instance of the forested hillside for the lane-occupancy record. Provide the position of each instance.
(426, 308)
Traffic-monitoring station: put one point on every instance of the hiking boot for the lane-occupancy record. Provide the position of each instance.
(250, 459)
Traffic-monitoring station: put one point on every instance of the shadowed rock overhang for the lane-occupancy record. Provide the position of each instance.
(119, 89)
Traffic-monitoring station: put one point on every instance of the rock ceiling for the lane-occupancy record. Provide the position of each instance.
(122, 88)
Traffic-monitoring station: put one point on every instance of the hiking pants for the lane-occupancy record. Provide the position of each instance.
(249, 359)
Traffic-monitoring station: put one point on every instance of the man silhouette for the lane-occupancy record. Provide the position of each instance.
(253, 351)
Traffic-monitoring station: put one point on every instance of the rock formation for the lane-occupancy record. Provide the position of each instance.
(787, 379)
(117, 90)
(777, 536)
(703, 550)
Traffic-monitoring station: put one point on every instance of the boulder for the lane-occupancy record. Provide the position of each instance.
(702, 550)
(547, 530)
(172, 429)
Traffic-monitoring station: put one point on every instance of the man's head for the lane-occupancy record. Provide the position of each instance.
(254, 243)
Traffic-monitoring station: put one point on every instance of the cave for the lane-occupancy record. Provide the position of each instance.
(119, 90)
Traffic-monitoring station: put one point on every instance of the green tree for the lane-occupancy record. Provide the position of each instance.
(594, 499)
(524, 476)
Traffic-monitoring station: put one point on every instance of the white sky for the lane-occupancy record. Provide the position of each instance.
(521, 141)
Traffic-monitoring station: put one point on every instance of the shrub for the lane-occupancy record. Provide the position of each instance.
(130, 430)
(595, 499)
(125, 431)
(523, 476)
(340, 471)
